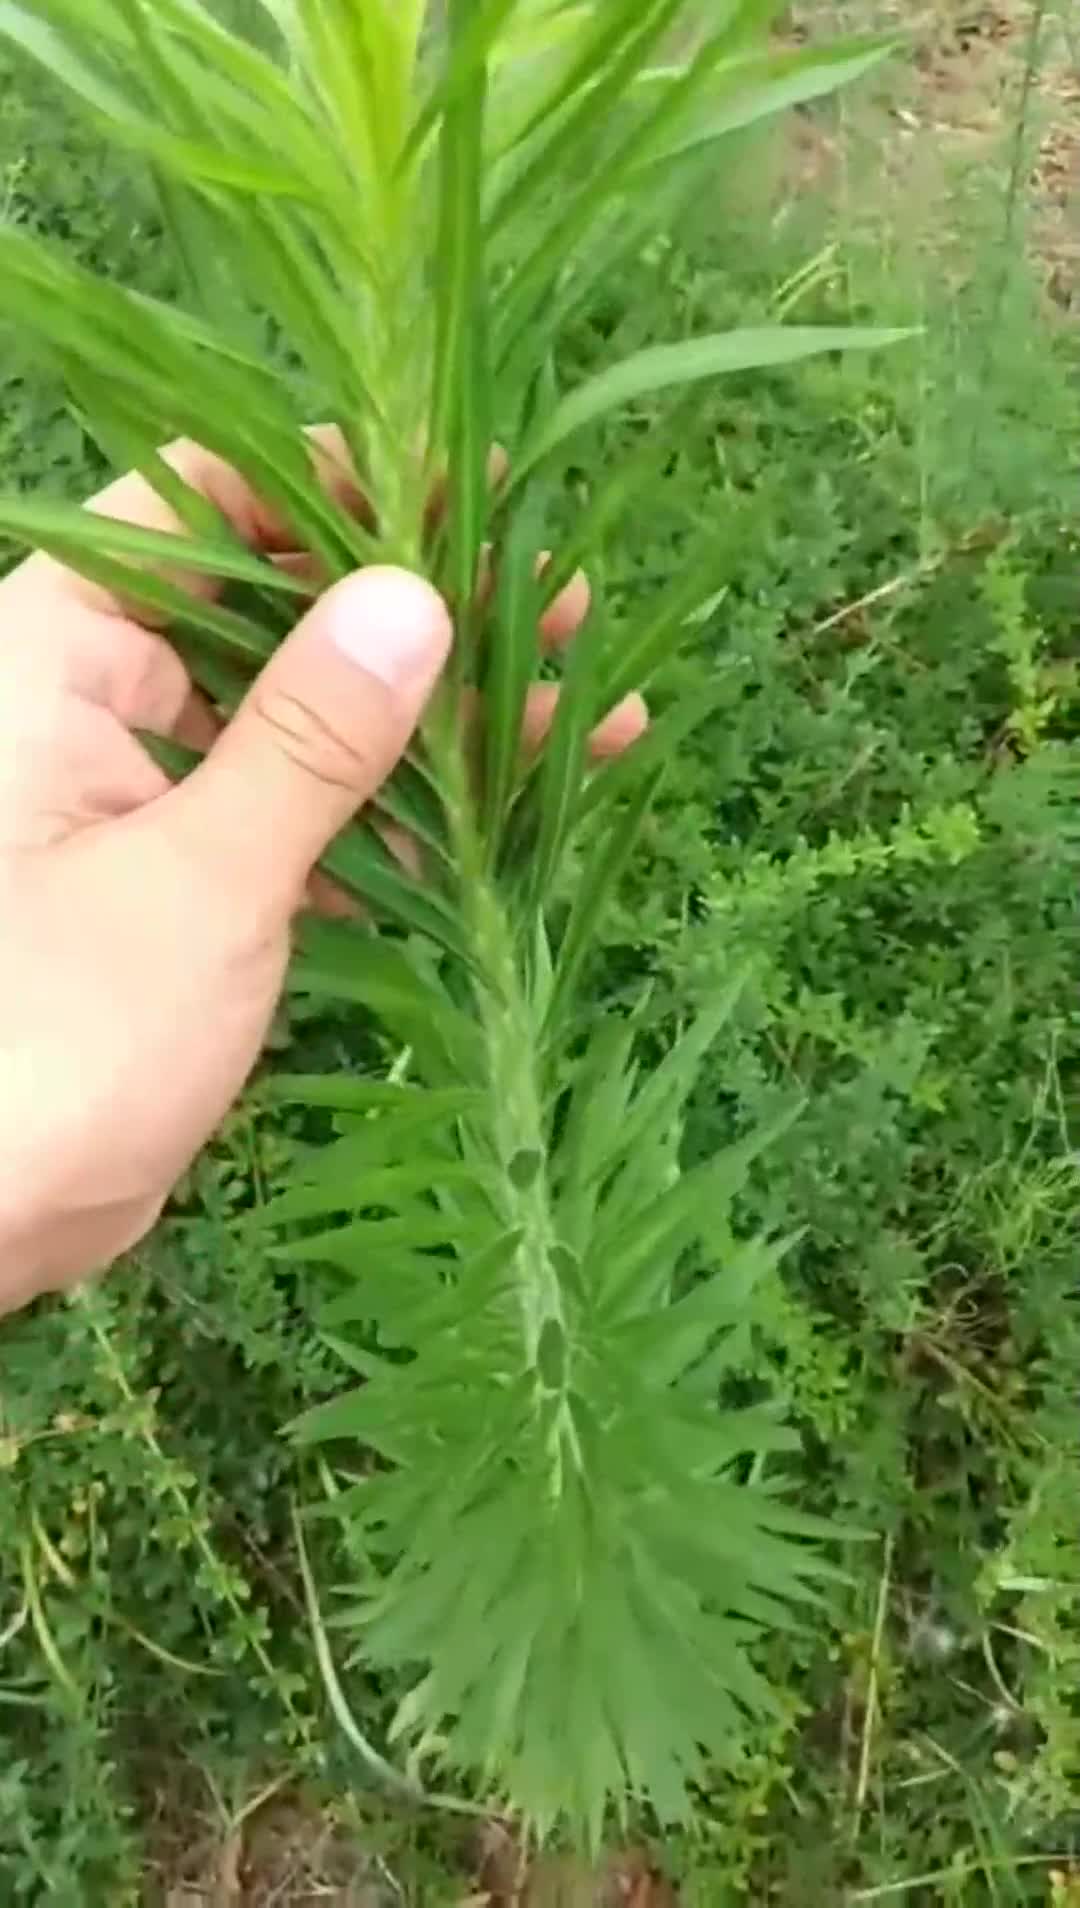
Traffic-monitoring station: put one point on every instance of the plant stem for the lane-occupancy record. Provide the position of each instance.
(514, 1067)
(511, 1029)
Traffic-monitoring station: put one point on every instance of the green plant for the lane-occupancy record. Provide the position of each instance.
(387, 222)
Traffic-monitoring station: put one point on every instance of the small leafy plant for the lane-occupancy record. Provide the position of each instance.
(559, 1529)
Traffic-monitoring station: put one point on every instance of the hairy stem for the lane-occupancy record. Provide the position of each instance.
(515, 1071)
(511, 1029)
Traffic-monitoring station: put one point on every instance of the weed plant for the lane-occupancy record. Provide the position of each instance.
(877, 805)
(569, 1544)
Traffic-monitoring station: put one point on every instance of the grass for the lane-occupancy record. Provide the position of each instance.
(879, 812)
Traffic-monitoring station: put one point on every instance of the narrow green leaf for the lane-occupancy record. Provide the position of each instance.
(602, 1084)
(633, 1260)
(355, 1093)
(364, 865)
(40, 520)
(187, 615)
(510, 665)
(176, 760)
(613, 496)
(612, 54)
(38, 37)
(600, 877)
(763, 85)
(612, 174)
(462, 419)
(347, 960)
(385, 1139)
(400, 1294)
(471, 48)
(668, 1087)
(405, 801)
(346, 1187)
(563, 763)
(232, 55)
(122, 436)
(660, 367)
(356, 1247)
(183, 378)
(653, 639)
(119, 105)
(658, 748)
(662, 1346)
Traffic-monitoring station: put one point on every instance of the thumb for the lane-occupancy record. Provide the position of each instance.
(318, 733)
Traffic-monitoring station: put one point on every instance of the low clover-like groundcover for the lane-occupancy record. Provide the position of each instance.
(388, 216)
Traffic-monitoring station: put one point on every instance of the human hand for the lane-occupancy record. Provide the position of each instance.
(145, 928)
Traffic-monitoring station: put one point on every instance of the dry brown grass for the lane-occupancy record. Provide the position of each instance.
(957, 105)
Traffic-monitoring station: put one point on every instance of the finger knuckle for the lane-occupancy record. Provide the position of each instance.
(312, 741)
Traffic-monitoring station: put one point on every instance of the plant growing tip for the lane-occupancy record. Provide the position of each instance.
(572, 1554)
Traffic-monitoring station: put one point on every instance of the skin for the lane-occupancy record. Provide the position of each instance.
(145, 928)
